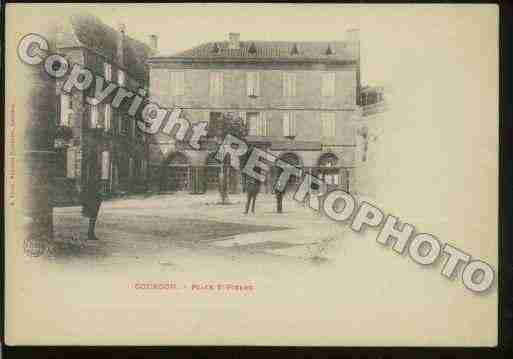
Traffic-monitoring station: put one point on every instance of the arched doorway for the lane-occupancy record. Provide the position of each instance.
(328, 171)
(292, 159)
(177, 172)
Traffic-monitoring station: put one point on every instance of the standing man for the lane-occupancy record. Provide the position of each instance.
(279, 197)
(252, 189)
(91, 202)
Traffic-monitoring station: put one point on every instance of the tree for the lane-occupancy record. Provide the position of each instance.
(227, 123)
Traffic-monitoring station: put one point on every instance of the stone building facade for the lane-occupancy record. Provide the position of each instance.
(99, 140)
(298, 100)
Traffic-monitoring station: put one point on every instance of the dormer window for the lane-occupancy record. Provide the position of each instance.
(252, 48)
(329, 51)
(294, 50)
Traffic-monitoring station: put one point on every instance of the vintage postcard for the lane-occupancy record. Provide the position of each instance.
(251, 174)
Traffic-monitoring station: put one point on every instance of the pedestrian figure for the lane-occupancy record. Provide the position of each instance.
(91, 202)
(252, 189)
(279, 196)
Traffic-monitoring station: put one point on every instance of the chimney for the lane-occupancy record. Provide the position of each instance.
(353, 42)
(121, 44)
(234, 38)
(154, 41)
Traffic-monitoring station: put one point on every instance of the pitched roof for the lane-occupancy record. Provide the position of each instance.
(86, 30)
(318, 50)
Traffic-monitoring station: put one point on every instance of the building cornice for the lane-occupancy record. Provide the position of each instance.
(250, 60)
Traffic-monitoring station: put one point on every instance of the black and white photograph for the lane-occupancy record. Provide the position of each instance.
(251, 174)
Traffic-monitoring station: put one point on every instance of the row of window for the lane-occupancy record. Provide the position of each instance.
(136, 168)
(216, 84)
(259, 125)
(67, 112)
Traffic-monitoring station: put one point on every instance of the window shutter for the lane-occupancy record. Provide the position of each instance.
(105, 165)
(249, 83)
(107, 70)
(286, 124)
(94, 116)
(264, 123)
(293, 124)
(101, 116)
(65, 109)
(328, 84)
(257, 83)
(70, 162)
(267, 122)
(108, 116)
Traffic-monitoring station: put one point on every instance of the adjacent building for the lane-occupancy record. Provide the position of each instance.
(99, 140)
(300, 101)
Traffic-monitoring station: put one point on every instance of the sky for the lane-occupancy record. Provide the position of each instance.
(180, 27)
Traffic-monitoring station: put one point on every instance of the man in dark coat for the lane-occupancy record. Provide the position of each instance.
(279, 197)
(252, 189)
(91, 202)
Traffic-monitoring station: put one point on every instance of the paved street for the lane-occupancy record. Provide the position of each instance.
(147, 224)
(297, 262)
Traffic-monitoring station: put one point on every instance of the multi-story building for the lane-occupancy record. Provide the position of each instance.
(369, 172)
(99, 140)
(299, 101)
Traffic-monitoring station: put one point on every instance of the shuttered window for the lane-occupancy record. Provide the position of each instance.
(71, 160)
(105, 165)
(289, 84)
(328, 124)
(289, 124)
(263, 125)
(108, 116)
(66, 110)
(258, 123)
(216, 84)
(107, 70)
(253, 84)
(328, 84)
(94, 116)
